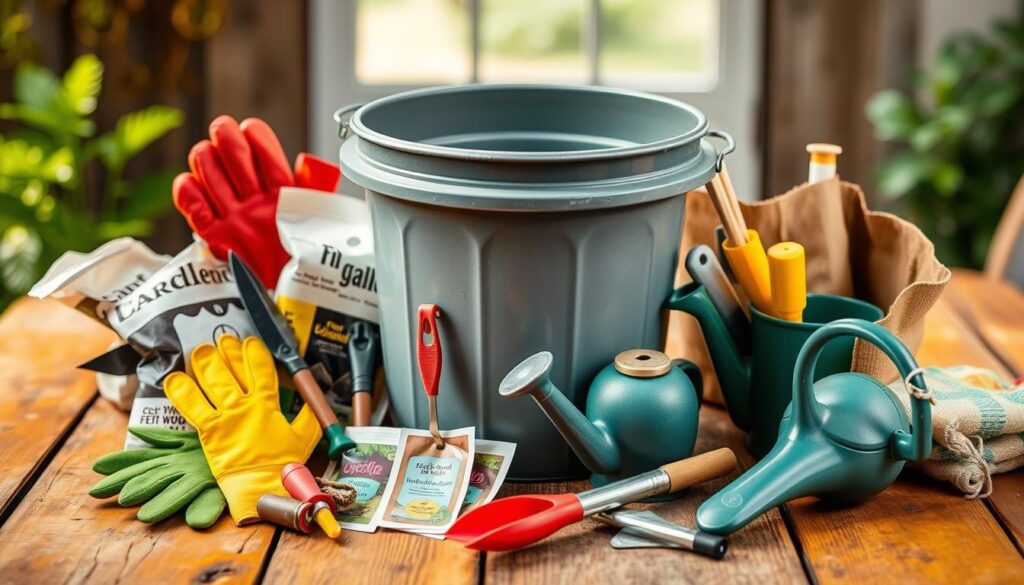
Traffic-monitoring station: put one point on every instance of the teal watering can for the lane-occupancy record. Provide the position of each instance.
(641, 411)
(754, 362)
(843, 439)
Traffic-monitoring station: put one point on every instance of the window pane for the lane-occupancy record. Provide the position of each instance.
(532, 40)
(410, 42)
(668, 45)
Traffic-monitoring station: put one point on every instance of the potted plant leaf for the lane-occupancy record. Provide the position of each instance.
(46, 206)
(960, 140)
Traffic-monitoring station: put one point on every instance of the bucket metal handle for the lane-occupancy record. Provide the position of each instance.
(344, 114)
(730, 146)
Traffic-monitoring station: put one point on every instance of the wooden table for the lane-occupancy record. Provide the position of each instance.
(52, 426)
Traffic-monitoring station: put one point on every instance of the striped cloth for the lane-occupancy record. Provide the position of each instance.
(977, 426)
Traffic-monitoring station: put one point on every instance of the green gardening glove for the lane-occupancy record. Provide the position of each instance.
(170, 475)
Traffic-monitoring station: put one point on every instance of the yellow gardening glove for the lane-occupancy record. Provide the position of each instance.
(235, 409)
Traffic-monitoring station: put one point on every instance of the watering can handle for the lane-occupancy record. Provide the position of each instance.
(692, 372)
(913, 447)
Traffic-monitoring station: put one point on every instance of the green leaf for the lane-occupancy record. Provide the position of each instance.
(926, 137)
(82, 83)
(894, 115)
(15, 212)
(20, 249)
(35, 86)
(47, 119)
(947, 179)
(108, 230)
(134, 132)
(59, 167)
(150, 197)
(903, 172)
(1004, 97)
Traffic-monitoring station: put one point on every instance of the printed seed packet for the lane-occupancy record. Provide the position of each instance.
(490, 465)
(367, 467)
(430, 483)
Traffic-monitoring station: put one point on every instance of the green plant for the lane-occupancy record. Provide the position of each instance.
(46, 206)
(961, 138)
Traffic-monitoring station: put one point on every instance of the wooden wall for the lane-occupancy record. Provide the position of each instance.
(823, 60)
(254, 66)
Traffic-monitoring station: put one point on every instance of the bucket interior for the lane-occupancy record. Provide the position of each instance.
(531, 120)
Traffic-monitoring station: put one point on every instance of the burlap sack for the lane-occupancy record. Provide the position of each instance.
(977, 421)
(851, 251)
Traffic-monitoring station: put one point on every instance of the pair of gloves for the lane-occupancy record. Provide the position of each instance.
(243, 441)
(230, 200)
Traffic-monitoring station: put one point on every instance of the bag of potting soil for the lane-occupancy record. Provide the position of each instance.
(92, 283)
(328, 286)
(191, 299)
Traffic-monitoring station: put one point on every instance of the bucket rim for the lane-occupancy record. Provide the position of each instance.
(360, 129)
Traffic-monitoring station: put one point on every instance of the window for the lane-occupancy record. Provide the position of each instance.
(667, 45)
(705, 52)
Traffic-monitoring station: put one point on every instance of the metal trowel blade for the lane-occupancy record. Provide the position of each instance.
(632, 538)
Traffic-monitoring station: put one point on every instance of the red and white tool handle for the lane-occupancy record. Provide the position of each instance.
(428, 354)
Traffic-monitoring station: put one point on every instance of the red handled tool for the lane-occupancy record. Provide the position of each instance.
(299, 483)
(428, 356)
(518, 521)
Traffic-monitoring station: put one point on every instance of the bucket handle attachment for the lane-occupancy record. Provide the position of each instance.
(344, 114)
(730, 146)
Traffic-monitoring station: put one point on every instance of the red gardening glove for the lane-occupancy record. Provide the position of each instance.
(230, 197)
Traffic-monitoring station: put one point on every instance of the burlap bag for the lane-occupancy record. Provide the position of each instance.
(977, 426)
(851, 251)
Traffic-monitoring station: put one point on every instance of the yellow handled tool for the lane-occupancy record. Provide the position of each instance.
(788, 270)
(750, 265)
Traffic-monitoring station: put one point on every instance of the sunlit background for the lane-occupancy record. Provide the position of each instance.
(100, 100)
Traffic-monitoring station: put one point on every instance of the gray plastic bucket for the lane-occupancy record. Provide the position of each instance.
(537, 218)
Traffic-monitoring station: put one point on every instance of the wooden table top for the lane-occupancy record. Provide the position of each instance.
(52, 426)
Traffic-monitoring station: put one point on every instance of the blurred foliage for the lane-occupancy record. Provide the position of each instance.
(961, 138)
(45, 204)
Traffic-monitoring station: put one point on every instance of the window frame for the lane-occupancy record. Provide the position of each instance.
(732, 104)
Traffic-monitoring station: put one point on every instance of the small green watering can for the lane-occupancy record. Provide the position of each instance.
(641, 412)
(843, 439)
(755, 380)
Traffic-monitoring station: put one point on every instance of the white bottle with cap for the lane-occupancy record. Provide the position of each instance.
(823, 161)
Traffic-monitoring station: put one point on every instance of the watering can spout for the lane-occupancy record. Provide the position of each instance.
(731, 366)
(790, 471)
(589, 441)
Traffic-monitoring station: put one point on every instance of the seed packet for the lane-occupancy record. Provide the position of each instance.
(328, 286)
(368, 468)
(430, 484)
(190, 300)
(490, 465)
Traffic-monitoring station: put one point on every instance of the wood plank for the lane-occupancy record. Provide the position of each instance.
(61, 534)
(917, 530)
(762, 553)
(256, 66)
(386, 556)
(995, 311)
(41, 392)
(823, 61)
